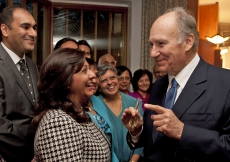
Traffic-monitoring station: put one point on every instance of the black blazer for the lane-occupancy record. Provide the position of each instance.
(204, 107)
(16, 105)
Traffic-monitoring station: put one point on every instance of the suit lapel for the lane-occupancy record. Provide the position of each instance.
(9, 65)
(193, 89)
(157, 97)
(158, 91)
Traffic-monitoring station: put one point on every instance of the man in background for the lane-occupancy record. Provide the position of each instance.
(157, 73)
(66, 43)
(18, 84)
(84, 46)
(107, 59)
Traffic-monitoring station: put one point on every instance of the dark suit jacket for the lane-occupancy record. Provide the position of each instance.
(204, 107)
(16, 105)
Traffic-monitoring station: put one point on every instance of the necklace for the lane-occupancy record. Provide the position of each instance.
(113, 105)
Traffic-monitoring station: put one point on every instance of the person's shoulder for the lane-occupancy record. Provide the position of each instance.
(218, 71)
(100, 97)
(217, 76)
(130, 93)
(55, 114)
(127, 97)
(93, 97)
(97, 103)
(56, 117)
(162, 81)
(1, 48)
(30, 60)
(134, 94)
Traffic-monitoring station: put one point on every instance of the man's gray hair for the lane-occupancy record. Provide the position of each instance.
(186, 25)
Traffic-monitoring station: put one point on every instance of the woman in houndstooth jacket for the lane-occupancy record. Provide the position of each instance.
(64, 130)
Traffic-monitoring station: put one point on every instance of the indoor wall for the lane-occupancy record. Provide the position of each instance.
(223, 18)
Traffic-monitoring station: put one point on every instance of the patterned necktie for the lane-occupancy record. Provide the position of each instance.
(26, 76)
(171, 94)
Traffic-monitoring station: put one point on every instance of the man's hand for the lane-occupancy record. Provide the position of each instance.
(166, 121)
(132, 120)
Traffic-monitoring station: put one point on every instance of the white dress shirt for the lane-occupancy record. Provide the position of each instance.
(183, 76)
(14, 56)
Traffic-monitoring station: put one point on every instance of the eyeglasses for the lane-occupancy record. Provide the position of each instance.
(124, 78)
(113, 63)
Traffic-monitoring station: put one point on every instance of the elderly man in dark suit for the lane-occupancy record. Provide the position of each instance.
(17, 93)
(190, 120)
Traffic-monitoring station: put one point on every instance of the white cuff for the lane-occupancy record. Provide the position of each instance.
(136, 138)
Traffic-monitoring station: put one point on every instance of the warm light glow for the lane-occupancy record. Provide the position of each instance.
(223, 51)
(217, 39)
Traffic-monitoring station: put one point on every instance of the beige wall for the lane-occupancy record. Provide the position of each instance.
(226, 60)
(224, 13)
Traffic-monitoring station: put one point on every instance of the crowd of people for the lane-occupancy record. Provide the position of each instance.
(77, 109)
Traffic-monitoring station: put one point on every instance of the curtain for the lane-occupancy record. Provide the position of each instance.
(151, 9)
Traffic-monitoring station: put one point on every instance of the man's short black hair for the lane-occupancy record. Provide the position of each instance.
(63, 40)
(84, 42)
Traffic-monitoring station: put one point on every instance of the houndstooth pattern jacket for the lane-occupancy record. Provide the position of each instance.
(61, 138)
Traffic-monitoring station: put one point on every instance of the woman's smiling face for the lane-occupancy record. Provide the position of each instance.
(109, 83)
(83, 83)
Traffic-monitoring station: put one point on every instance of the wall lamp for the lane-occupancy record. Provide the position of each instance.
(217, 39)
(224, 50)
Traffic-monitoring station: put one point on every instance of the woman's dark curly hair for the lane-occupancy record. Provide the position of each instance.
(137, 75)
(54, 82)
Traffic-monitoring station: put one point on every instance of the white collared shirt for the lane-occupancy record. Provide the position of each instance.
(13, 56)
(183, 76)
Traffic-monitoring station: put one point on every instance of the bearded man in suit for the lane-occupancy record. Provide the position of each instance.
(17, 94)
(196, 125)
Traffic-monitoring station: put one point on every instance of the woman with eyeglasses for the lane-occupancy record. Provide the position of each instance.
(116, 102)
(142, 80)
(125, 78)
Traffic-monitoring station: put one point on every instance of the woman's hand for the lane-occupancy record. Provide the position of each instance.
(132, 120)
